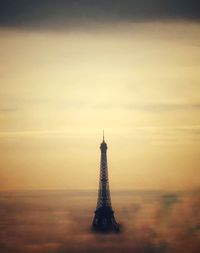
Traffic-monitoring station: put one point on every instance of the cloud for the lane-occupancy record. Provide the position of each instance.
(7, 110)
(148, 107)
(59, 222)
(161, 107)
(60, 13)
(6, 107)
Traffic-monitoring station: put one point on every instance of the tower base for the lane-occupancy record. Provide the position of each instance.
(104, 220)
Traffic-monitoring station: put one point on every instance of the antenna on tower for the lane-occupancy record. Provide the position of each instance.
(103, 135)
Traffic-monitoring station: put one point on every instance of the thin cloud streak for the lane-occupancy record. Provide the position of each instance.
(151, 107)
(159, 107)
(131, 131)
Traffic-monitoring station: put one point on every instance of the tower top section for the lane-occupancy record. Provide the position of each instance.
(103, 144)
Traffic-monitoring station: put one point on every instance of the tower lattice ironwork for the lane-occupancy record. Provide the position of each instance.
(104, 220)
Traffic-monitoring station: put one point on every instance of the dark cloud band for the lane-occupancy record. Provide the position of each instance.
(44, 13)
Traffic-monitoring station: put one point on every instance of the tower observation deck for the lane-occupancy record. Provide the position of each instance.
(104, 220)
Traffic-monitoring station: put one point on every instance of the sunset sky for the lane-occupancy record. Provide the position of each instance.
(70, 69)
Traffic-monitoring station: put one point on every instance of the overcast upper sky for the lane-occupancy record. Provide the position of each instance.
(59, 13)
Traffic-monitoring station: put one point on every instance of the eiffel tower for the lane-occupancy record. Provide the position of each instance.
(104, 220)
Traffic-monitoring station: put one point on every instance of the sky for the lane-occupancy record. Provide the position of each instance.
(70, 69)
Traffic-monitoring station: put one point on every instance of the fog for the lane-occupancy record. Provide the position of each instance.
(59, 221)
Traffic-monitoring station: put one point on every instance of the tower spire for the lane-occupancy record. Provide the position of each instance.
(103, 136)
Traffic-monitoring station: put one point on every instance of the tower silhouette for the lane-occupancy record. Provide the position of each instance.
(104, 220)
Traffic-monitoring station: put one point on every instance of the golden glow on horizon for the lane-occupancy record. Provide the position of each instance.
(139, 82)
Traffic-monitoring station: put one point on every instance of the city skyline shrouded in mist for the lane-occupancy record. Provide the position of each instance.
(136, 79)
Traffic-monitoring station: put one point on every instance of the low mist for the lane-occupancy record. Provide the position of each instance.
(59, 222)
